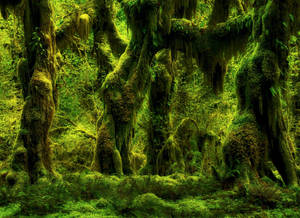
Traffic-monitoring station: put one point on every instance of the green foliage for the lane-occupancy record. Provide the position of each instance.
(264, 195)
(36, 44)
(10, 210)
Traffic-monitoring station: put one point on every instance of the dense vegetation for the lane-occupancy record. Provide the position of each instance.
(149, 108)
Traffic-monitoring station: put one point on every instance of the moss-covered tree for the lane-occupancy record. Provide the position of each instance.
(97, 17)
(124, 88)
(103, 26)
(37, 74)
(260, 83)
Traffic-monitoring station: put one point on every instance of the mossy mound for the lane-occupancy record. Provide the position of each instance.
(245, 147)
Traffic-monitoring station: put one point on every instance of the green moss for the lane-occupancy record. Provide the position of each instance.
(244, 149)
(150, 203)
(10, 210)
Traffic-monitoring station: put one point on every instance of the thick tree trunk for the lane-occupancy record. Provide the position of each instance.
(122, 98)
(259, 83)
(39, 84)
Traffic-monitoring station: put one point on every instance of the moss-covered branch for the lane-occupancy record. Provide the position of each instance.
(212, 46)
(71, 26)
(222, 38)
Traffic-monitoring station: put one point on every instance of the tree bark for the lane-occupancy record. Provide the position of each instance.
(39, 84)
(123, 91)
(260, 81)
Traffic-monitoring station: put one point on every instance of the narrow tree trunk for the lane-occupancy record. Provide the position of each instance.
(160, 94)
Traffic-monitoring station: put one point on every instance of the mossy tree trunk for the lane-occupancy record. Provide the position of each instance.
(162, 85)
(39, 87)
(260, 82)
(123, 91)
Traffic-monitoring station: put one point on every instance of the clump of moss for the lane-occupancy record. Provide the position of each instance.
(244, 149)
(149, 203)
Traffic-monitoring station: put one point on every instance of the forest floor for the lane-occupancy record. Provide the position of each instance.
(91, 194)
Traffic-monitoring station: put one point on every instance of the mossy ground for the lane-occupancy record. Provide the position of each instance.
(82, 193)
(90, 194)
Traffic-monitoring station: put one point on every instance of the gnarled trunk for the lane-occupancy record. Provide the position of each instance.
(259, 85)
(123, 91)
(32, 151)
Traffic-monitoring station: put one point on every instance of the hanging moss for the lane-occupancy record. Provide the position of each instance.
(78, 22)
(84, 26)
(180, 150)
(212, 47)
(5, 5)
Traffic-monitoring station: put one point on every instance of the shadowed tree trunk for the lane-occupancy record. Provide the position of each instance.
(162, 85)
(38, 77)
(260, 81)
(124, 89)
(159, 103)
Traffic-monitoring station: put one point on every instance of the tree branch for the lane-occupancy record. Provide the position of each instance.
(98, 13)
(215, 40)
(77, 128)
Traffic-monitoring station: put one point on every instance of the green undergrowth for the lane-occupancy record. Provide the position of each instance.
(11, 100)
(89, 194)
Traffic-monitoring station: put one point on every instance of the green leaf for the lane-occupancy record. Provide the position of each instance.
(292, 17)
(273, 91)
(285, 24)
(282, 45)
